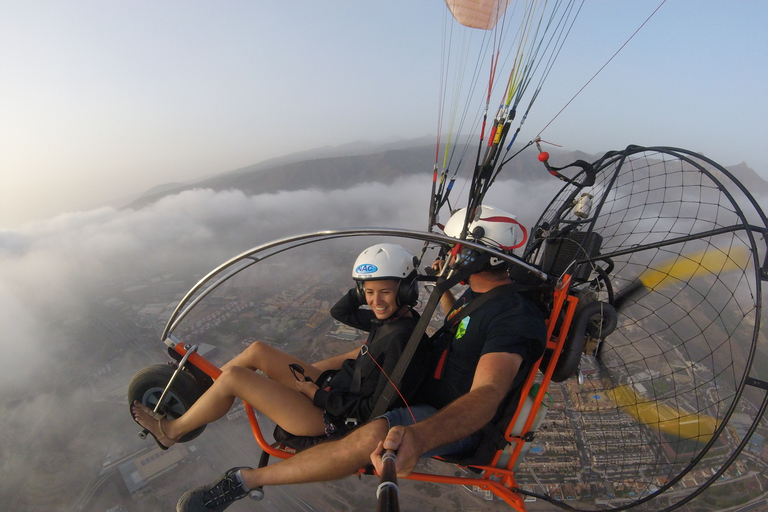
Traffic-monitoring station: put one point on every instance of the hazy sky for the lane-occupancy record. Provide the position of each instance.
(104, 99)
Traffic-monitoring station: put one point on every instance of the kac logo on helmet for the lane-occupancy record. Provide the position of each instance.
(366, 268)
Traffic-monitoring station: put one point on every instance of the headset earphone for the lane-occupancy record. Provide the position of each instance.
(407, 289)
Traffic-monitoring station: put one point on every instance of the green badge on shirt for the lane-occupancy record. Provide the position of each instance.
(462, 327)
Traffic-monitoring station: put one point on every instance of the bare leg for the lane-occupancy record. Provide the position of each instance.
(326, 461)
(284, 405)
(272, 361)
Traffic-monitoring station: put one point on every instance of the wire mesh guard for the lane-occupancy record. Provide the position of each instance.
(669, 398)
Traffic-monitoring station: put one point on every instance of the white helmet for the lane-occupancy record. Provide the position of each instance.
(388, 261)
(490, 226)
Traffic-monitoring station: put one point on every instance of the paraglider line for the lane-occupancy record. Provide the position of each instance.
(603, 67)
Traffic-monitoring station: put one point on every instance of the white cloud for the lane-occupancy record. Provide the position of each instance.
(50, 271)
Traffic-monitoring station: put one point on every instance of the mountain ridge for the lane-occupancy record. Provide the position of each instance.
(341, 167)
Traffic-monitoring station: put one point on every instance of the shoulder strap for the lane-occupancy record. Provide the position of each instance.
(357, 376)
(383, 332)
(473, 305)
(441, 286)
(450, 327)
(382, 404)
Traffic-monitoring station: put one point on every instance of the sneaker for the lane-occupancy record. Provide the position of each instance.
(216, 496)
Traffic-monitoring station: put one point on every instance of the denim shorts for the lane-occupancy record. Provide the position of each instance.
(404, 417)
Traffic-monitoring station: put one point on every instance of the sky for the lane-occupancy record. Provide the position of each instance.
(103, 100)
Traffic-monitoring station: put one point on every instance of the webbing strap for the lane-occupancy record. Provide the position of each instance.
(463, 313)
(357, 376)
(441, 286)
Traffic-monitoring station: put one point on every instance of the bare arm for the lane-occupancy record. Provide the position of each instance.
(465, 415)
(447, 300)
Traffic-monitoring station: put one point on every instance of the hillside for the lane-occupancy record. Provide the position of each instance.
(350, 165)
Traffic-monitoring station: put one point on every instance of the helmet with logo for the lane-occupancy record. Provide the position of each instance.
(490, 226)
(388, 261)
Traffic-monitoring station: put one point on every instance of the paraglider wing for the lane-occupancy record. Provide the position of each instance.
(477, 13)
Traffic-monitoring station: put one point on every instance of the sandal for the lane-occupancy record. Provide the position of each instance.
(156, 416)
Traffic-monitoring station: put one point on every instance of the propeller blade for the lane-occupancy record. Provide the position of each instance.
(684, 268)
(663, 416)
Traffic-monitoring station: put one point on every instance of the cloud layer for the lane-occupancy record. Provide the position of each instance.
(53, 270)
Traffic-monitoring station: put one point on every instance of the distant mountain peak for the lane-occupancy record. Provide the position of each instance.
(344, 166)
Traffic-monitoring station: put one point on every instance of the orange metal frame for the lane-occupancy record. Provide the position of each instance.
(499, 480)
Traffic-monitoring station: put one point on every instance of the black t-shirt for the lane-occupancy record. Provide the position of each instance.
(506, 323)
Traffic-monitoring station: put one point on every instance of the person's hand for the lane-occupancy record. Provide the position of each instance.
(307, 388)
(401, 440)
(437, 266)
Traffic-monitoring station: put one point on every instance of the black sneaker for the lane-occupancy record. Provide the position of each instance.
(216, 496)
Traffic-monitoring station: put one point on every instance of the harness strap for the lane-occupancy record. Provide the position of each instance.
(376, 324)
(461, 315)
(357, 376)
(441, 286)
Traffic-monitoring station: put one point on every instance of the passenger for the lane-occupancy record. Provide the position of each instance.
(340, 392)
(484, 353)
